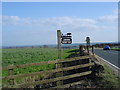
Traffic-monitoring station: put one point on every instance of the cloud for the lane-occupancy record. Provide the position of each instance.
(55, 20)
(28, 31)
(64, 22)
(12, 20)
(67, 23)
(109, 19)
(15, 20)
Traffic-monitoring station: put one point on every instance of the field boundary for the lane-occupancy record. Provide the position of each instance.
(32, 83)
(45, 62)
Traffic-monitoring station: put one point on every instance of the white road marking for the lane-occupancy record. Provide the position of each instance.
(110, 63)
(112, 53)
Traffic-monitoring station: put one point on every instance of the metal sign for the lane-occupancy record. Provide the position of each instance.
(66, 39)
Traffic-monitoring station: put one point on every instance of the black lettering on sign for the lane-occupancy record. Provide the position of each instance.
(66, 39)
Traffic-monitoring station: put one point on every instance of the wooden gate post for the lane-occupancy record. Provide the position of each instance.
(87, 44)
(59, 43)
(92, 49)
(81, 53)
(59, 65)
(87, 49)
(11, 80)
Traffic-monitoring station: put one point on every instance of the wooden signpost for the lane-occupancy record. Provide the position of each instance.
(64, 39)
(59, 43)
(59, 65)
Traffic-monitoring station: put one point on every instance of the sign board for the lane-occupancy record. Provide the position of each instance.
(66, 39)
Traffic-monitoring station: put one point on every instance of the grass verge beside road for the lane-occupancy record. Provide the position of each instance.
(109, 80)
(117, 49)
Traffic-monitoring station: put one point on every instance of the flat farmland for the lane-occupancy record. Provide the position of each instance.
(17, 56)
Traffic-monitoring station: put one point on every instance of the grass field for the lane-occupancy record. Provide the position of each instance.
(19, 56)
(117, 49)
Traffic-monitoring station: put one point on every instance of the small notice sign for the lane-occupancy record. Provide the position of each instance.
(66, 39)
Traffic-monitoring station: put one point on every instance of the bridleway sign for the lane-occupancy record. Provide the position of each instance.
(66, 39)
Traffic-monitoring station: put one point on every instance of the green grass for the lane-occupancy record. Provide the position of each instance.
(19, 56)
(27, 55)
(109, 80)
(117, 49)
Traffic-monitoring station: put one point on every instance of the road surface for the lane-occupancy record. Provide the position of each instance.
(109, 55)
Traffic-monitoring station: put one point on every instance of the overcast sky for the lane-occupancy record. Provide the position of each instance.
(28, 23)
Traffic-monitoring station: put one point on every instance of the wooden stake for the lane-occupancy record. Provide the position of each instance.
(81, 50)
(87, 43)
(92, 49)
(11, 72)
(59, 43)
(88, 49)
(59, 65)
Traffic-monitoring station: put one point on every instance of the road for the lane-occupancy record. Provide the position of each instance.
(109, 55)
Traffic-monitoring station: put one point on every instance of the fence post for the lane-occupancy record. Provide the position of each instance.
(11, 72)
(81, 50)
(88, 43)
(92, 49)
(59, 65)
(90, 61)
(87, 47)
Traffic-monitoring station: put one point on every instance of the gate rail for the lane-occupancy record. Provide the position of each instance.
(12, 78)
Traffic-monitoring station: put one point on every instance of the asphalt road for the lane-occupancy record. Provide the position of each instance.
(109, 55)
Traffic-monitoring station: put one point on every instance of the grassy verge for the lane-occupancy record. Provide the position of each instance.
(117, 49)
(109, 80)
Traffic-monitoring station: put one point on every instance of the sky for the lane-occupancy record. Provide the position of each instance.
(36, 23)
